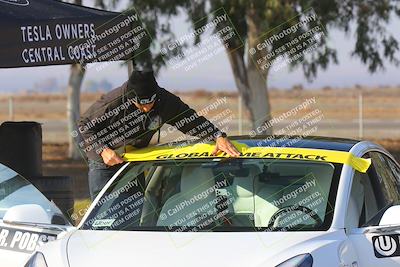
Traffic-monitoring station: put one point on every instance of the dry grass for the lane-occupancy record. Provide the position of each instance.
(379, 103)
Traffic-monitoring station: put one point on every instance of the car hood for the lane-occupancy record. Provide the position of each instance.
(123, 248)
(20, 241)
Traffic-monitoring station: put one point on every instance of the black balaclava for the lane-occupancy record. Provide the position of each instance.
(142, 85)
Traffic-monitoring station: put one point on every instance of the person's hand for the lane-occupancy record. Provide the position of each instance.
(110, 157)
(223, 144)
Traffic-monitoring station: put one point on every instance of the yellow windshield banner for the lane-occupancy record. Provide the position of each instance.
(200, 151)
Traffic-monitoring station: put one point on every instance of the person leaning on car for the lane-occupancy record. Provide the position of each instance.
(138, 109)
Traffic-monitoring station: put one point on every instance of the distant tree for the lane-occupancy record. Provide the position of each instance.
(98, 86)
(104, 85)
(254, 18)
(77, 73)
(297, 87)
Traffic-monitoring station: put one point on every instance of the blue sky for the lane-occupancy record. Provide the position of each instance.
(216, 73)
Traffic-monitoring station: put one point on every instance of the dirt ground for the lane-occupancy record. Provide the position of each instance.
(379, 103)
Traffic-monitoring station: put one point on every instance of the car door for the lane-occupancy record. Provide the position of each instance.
(27, 218)
(372, 194)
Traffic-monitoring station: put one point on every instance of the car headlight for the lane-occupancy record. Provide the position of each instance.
(37, 260)
(303, 260)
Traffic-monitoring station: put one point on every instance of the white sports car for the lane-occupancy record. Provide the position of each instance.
(312, 202)
(27, 219)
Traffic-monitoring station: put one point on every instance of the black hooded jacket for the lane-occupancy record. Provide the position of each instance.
(114, 121)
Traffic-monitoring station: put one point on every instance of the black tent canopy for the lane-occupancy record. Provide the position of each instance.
(51, 32)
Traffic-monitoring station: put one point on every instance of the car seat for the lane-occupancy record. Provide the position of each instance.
(195, 181)
(312, 190)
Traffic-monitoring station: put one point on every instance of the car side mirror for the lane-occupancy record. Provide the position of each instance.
(29, 213)
(391, 216)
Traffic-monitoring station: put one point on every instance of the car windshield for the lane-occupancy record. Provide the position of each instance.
(219, 195)
(16, 190)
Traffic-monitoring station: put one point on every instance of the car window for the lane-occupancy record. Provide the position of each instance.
(395, 172)
(363, 202)
(219, 195)
(373, 192)
(386, 178)
(16, 190)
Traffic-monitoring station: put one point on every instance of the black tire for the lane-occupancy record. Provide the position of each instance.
(21, 147)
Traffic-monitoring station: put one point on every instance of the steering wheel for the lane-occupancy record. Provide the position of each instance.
(291, 208)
